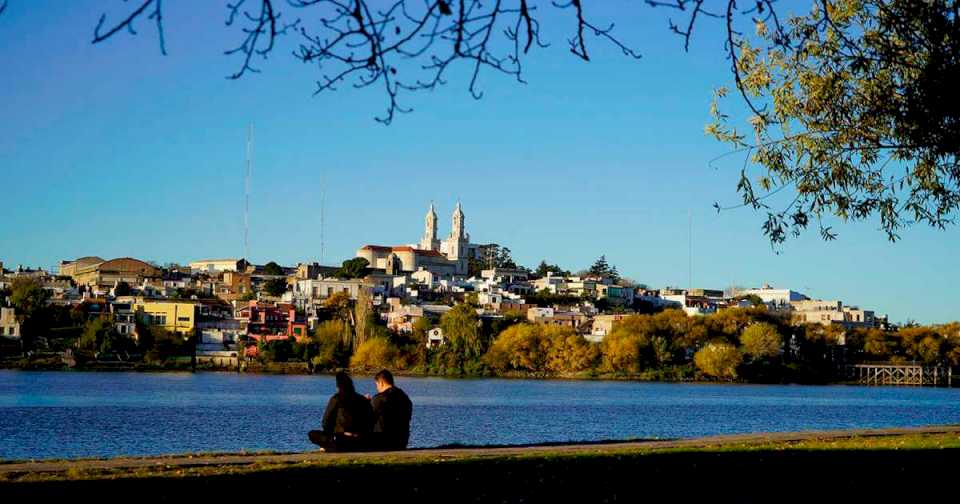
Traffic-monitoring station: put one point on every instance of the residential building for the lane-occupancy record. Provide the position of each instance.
(124, 317)
(106, 274)
(505, 275)
(270, 321)
(831, 312)
(615, 294)
(603, 325)
(775, 299)
(174, 315)
(578, 321)
(9, 325)
(232, 286)
(218, 265)
(70, 268)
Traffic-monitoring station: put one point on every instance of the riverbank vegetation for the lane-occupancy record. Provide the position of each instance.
(751, 344)
(744, 344)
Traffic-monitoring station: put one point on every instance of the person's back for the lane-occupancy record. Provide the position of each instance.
(349, 414)
(392, 411)
(347, 420)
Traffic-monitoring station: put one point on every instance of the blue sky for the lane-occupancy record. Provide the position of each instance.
(116, 150)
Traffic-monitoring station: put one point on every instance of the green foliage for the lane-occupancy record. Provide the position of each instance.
(603, 269)
(353, 268)
(753, 299)
(547, 298)
(272, 268)
(159, 344)
(719, 360)
(122, 289)
(99, 335)
(277, 350)
(275, 286)
(331, 342)
(27, 297)
(465, 342)
(543, 268)
(491, 256)
(852, 110)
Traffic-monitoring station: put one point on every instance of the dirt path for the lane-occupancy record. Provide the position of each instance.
(185, 461)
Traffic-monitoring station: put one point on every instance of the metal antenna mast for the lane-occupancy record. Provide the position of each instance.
(323, 198)
(690, 251)
(246, 195)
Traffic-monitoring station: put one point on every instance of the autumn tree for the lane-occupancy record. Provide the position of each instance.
(374, 354)
(719, 360)
(363, 318)
(761, 340)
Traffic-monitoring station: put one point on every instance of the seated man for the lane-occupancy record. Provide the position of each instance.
(347, 420)
(392, 410)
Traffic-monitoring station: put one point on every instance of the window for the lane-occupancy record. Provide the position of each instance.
(183, 319)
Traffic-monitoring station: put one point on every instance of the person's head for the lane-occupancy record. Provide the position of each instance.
(384, 380)
(344, 384)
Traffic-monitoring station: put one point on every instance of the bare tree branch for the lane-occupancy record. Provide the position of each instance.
(156, 14)
(263, 24)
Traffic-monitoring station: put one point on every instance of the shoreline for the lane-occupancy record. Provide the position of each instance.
(293, 369)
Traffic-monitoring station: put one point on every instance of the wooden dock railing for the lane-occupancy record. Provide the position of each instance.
(901, 374)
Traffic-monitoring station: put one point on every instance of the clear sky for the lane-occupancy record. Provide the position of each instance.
(115, 150)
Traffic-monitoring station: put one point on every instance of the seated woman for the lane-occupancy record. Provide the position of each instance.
(347, 421)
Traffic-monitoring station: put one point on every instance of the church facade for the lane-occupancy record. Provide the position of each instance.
(448, 257)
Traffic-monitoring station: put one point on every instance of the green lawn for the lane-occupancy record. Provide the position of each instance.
(861, 467)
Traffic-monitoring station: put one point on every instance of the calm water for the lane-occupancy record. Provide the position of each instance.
(62, 414)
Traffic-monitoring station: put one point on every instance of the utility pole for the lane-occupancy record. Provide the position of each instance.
(323, 198)
(246, 195)
(690, 250)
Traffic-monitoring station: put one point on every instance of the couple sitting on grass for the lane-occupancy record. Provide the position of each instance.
(353, 422)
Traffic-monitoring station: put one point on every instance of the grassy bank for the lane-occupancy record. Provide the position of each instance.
(757, 470)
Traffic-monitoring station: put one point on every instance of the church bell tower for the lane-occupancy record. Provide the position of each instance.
(429, 240)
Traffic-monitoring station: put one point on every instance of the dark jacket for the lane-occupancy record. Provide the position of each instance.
(351, 414)
(392, 411)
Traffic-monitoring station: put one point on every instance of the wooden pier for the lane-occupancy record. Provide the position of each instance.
(916, 375)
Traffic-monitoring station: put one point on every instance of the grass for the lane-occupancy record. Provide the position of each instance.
(744, 472)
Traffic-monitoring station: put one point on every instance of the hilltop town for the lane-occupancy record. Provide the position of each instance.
(448, 306)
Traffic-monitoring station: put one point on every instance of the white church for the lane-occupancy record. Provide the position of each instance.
(442, 257)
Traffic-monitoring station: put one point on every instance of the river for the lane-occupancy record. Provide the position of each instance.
(77, 414)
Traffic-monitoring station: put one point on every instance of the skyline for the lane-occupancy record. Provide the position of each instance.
(115, 151)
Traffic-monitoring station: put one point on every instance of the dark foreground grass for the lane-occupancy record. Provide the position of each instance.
(858, 469)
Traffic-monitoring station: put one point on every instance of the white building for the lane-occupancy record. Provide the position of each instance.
(435, 337)
(216, 265)
(775, 299)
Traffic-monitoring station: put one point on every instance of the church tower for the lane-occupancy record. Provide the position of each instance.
(457, 243)
(429, 240)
